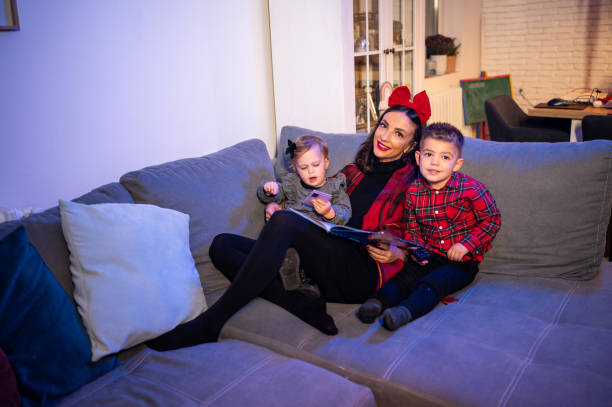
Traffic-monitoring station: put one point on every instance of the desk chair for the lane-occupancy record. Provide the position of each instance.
(508, 122)
(599, 127)
(596, 127)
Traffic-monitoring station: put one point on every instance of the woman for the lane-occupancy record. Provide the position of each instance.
(344, 271)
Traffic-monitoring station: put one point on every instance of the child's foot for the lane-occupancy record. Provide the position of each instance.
(395, 317)
(294, 278)
(369, 310)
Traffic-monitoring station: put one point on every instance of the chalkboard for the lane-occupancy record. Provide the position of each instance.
(476, 91)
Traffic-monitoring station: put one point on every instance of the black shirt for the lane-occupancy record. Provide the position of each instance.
(367, 190)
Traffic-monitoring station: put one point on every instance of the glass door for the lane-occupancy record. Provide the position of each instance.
(383, 33)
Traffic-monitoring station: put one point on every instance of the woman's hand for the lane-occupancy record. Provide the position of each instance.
(323, 208)
(386, 253)
(271, 208)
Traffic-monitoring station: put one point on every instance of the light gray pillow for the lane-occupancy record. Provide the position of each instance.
(217, 191)
(342, 148)
(555, 203)
(134, 276)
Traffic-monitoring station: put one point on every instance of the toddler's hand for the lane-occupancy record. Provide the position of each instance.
(323, 208)
(271, 208)
(271, 188)
(456, 252)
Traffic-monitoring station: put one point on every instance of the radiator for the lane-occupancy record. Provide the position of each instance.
(447, 106)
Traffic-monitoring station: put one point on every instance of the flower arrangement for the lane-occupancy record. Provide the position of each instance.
(441, 45)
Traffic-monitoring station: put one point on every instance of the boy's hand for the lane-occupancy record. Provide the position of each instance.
(271, 208)
(456, 252)
(419, 256)
(386, 253)
(270, 188)
(323, 208)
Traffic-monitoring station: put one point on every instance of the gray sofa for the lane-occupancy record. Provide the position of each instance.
(533, 329)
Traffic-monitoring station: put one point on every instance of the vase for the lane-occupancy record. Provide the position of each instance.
(451, 63)
(440, 61)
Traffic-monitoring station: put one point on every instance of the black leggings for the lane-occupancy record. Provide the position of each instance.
(421, 288)
(342, 269)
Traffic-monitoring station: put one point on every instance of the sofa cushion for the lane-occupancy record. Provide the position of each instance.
(228, 373)
(509, 340)
(217, 191)
(40, 333)
(122, 258)
(45, 231)
(342, 148)
(555, 203)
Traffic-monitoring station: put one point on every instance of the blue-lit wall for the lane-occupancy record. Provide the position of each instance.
(93, 89)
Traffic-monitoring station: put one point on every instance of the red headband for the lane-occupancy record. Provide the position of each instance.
(420, 103)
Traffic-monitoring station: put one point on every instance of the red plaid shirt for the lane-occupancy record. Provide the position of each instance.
(464, 211)
(386, 212)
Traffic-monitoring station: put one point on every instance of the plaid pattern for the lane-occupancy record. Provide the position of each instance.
(386, 213)
(462, 212)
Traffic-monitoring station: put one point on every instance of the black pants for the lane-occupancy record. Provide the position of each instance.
(342, 269)
(421, 288)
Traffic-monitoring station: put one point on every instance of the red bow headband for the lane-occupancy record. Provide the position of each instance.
(420, 102)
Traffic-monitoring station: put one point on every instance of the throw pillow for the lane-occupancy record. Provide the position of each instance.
(134, 276)
(47, 348)
(9, 395)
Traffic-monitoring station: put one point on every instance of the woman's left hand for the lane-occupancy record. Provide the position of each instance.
(385, 253)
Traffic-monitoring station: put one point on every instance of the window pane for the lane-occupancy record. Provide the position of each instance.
(359, 25)
(361, 107)
(402, 23)
(373, 16)
(374, 90)
(408, 73)
(407, 23)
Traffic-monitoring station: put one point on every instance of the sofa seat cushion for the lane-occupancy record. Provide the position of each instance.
(227, 373)
(509, 340)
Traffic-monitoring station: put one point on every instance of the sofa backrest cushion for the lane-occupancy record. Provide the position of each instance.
(555, 203)
(217, 191)
(342, 148)
(45, 231)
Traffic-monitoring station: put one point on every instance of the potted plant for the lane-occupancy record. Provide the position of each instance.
(439, 48)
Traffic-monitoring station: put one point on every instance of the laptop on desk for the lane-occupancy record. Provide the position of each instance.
(569, 106)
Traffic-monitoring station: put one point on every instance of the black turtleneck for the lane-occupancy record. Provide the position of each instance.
(367, 190)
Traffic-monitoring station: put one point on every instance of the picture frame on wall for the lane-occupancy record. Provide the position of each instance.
(9, 19)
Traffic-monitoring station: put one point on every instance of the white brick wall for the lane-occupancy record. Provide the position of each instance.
(550, 47)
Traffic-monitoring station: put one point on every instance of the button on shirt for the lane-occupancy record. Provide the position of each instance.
(463, 211)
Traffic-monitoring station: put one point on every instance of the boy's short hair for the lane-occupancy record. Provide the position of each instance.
(445, 132)
(305, 143)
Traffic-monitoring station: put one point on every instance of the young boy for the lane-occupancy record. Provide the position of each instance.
(450, 213)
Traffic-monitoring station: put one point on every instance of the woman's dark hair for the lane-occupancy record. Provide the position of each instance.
(365, 158)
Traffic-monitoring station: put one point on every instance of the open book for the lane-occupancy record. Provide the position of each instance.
(359, 235)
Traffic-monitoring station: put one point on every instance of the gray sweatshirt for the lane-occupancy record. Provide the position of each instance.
(291, 193)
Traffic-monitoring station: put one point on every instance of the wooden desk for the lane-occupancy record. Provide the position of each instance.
(575, 115)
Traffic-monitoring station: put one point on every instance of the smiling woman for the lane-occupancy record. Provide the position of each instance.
(9, 19)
